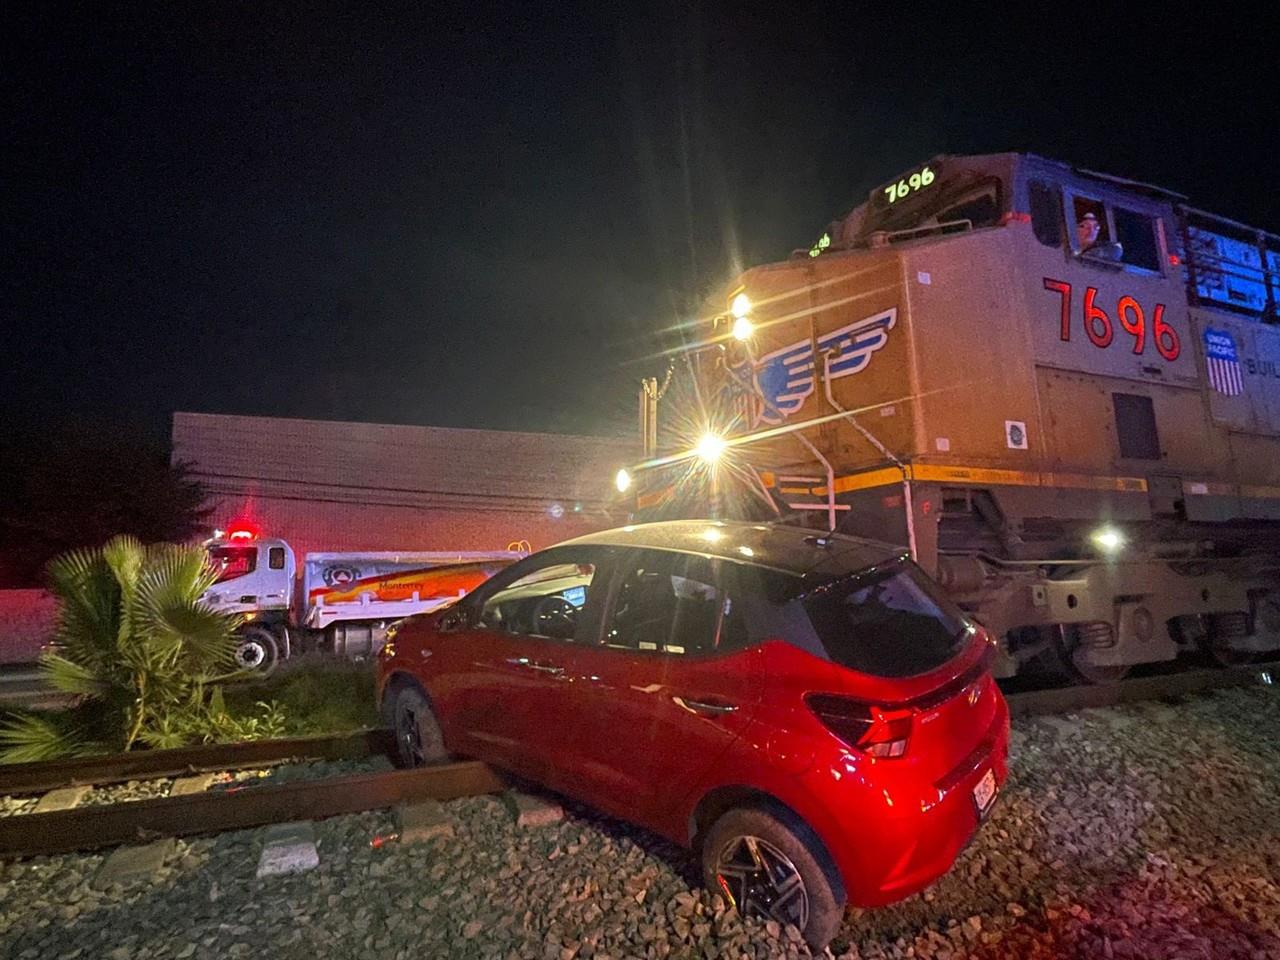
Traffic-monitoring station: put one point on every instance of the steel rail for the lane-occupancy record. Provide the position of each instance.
(47, 775)
(1068, 699)
(88, 828)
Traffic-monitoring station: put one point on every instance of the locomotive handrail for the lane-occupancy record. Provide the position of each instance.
(1110, 561)
(1254, 273)
(1227, 221)
(1266, 246)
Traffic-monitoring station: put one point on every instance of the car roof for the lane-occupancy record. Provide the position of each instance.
(790, 549)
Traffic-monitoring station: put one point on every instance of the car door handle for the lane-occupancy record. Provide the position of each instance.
(705, 707)
(535, 665)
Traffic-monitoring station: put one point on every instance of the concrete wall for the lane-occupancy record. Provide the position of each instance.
(350, 486)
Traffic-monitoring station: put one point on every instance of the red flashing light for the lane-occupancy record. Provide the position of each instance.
(1014, 216)
(241, 530)
(1174, 260)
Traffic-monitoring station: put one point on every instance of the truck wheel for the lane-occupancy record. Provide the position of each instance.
(419, 741)
(257, 651)
(769, 866)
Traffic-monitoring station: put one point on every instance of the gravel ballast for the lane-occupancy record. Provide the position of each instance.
(1147, 831)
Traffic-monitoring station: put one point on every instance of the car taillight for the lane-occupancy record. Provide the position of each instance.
(875, 731)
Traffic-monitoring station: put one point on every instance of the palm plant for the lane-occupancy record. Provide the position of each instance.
(136, 646)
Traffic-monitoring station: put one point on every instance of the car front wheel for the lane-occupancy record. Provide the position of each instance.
(767, 865)
(419, 741)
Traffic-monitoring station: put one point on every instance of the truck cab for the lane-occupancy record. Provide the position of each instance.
(256, 580)
(255, 576)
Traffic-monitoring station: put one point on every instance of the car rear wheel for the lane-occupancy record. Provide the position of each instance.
(768, 866)
(419, 741)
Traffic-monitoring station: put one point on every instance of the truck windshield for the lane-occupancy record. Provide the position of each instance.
(232, 562)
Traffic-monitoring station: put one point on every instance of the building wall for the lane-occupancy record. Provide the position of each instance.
(27, 620)
(352, 486)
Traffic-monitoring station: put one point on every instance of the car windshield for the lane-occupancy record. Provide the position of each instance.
(888, 621)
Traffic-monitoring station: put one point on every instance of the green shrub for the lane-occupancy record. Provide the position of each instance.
(315, 698)
(137, 648)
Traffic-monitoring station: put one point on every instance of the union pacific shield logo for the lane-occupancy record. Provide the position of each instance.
(1222, 362)
(784, 378)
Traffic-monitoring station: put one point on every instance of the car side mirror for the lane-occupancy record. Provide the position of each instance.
(453, 619)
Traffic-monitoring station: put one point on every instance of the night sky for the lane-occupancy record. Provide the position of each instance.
(474, 216)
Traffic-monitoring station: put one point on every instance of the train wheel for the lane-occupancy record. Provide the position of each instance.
(1093, 674)
(1070, 658)
(1223, 628)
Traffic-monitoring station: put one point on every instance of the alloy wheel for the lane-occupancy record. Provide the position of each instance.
(761, 881)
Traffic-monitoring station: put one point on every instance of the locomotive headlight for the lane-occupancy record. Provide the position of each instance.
(710, 447)
(1108, 539)
(622, 480)
(740, 310)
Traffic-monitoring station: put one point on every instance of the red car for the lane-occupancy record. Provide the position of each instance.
(808, 711)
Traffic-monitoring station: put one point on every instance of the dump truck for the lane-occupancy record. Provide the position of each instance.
(340, 602)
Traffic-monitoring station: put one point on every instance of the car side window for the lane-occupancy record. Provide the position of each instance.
(546, 601)
(669, 602)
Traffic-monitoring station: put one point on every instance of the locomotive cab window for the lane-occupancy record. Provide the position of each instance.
(1091, 237)
(921, 205)
(1139, 238)
(1110, 234)
(1046, 212)
(981, 210)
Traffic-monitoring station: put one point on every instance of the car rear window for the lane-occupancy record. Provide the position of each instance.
(889, 622)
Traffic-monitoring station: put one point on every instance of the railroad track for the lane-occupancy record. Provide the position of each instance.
(1183, 683)
(96, 826)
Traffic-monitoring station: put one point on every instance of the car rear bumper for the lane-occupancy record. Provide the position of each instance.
(916, 834)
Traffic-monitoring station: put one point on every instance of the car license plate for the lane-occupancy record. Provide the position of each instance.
(984, 794)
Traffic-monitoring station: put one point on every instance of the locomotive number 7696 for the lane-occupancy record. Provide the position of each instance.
(1100, 330)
